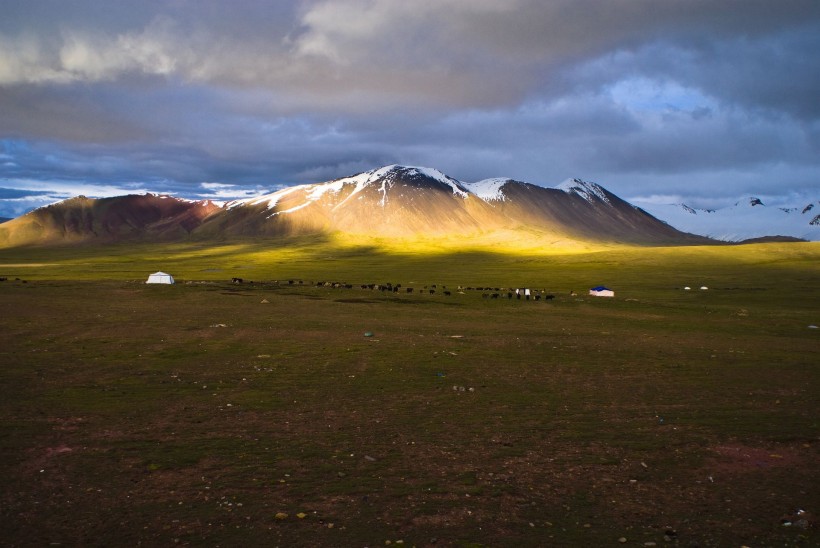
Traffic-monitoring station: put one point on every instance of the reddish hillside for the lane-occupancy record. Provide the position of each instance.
(84, 219)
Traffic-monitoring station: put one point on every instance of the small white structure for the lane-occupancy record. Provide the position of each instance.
(601, 291)
(703, 288)
(160, 278)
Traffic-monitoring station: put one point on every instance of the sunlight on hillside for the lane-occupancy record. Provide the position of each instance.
(497, 242)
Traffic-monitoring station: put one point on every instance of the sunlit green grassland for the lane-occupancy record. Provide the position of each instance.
(193, 414)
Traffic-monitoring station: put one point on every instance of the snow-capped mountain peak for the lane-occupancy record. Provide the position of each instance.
(589, 191)
(386, 177)
(489, 190)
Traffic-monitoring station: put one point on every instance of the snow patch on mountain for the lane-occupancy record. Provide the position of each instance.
(318, 191)
(746, 219)
(591, 192)
(489, 190)
(269, 200)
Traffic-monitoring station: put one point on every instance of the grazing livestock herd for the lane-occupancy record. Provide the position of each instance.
(520, 293)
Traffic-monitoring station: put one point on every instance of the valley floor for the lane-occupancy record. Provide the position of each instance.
(218, 413)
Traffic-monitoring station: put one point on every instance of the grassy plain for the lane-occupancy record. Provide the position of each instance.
(194, 414)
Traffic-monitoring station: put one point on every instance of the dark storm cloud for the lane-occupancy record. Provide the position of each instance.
(645, 97)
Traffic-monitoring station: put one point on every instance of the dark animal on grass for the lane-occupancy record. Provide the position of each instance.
(538, 297)
(432, 292)
(485, 295)
(236, 280)
(447, 293)
(409, 289)
(509, 295)
(494, 296)
(549, 297)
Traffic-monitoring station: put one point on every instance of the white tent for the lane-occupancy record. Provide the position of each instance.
(160, 278)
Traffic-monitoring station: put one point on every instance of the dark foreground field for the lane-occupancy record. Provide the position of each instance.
(262, 415)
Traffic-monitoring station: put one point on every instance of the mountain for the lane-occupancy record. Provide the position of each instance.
(746, 220)
(392, 201)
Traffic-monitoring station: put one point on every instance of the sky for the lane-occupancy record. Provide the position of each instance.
(702, 102)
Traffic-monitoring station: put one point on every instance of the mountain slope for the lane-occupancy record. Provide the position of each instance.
(747, 219)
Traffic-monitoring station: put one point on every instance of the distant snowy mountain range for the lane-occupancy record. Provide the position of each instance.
(747, 219)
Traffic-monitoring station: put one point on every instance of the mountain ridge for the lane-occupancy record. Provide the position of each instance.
(390, 201)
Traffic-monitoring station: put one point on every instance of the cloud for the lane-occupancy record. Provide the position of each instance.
(360, 55)
(681, 98)
(16, 193)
